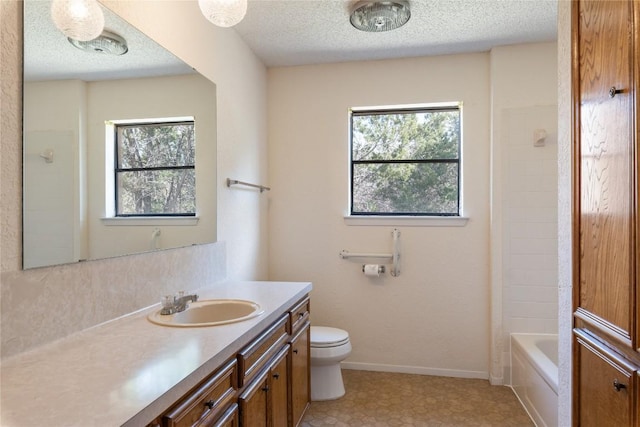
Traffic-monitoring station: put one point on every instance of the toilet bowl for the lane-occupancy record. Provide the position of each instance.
(329, 347)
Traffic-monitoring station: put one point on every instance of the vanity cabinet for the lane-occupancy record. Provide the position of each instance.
(300, 388)
(265, 384)
(264, 401)
(606, 212)
(264, 373)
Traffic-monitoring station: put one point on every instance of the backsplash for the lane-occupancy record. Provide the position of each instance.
(41, 305)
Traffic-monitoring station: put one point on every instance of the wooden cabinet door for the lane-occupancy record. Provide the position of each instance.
(607, 387)
(278, 389)
(253, 402)
(300, 382)
(605, 150)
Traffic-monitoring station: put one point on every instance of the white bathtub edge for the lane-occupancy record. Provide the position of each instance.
(534, 378)
(535, 417)
(541, 363)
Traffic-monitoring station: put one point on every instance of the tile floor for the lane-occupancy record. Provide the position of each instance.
(376, 399)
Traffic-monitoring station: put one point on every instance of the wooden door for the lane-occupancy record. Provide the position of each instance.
(605, 160)
(300, 382)
(278, 389)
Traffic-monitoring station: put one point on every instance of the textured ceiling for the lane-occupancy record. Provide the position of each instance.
(49, 56)
(296, 32)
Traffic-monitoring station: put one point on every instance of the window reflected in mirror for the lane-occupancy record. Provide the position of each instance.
(71, 177)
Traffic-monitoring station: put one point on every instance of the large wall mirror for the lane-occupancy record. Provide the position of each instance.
(72, 98)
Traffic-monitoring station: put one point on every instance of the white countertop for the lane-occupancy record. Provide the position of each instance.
(127, 371)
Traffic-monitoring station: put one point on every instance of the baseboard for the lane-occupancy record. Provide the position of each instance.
(415, 370)
(495, 380)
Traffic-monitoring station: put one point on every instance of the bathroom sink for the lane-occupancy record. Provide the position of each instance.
(209, 313)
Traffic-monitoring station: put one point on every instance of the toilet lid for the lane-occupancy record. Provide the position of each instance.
(324, 336)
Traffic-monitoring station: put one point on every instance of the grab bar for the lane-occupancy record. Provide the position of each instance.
(395, 256)
(231, 182)
(346, 254)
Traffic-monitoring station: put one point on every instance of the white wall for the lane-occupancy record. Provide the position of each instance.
(524, 196)
(83, 294)
(434, 317)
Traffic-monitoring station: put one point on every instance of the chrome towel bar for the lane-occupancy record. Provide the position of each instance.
(231, 182)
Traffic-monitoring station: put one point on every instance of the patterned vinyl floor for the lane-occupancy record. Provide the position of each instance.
(377, 399)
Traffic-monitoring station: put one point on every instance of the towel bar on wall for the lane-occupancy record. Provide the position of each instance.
(394, 256)
(231, 182)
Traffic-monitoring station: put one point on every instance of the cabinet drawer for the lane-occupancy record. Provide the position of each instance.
(254, 356)
(229, 418)
(299, 315)
(205, 402)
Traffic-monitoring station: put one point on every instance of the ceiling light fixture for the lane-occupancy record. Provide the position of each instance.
(78, 19)
(223, 13)
(377, 16)
(106, 43)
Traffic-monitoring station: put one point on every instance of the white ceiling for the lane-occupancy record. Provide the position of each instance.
(297, 32)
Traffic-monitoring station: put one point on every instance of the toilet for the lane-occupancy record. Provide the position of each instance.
(329, 347)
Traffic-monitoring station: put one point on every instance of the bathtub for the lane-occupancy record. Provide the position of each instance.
(534, 376)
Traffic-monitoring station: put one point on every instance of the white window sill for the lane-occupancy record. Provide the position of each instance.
(151, 220)
(407, 221)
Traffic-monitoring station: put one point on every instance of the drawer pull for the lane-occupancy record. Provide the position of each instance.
(265, 388)
(295, 351)
(618, 385)
(613, 91)
(276, 375)
(300, 315)
(210, 404)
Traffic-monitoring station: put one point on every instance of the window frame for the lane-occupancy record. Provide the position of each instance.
(117, 169)
(403, 109)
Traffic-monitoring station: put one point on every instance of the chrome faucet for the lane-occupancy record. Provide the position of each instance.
(172, 304)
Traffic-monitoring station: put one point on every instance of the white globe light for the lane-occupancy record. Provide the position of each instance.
(78, 19)
(223, 13)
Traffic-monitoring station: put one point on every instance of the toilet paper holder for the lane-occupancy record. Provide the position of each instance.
(394, 256)
(381, 268)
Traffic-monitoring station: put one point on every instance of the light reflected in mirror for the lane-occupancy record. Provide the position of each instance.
(70, 99)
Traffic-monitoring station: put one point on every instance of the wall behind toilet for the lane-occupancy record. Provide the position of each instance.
(434, 318)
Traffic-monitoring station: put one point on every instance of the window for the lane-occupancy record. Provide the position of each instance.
(406, 161)
(155, 169)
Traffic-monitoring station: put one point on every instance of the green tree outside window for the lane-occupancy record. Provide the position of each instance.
(405, 162)
(155, 170)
